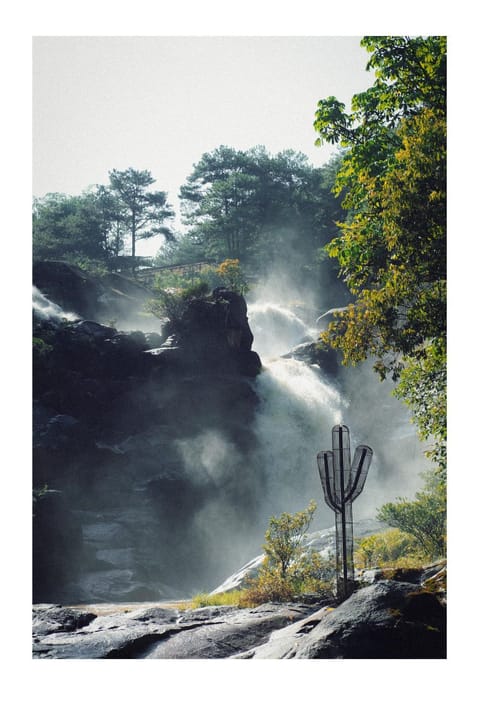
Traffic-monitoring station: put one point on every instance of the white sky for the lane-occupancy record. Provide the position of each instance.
(159, 103)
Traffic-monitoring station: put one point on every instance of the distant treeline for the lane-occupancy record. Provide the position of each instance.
(249, 205)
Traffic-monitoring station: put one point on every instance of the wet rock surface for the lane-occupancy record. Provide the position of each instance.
(154, 633)
(388, 619)
(120, 431)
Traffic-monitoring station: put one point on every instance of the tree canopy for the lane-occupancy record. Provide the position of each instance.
(144, 212)
(392, 248)
(94, 226)
(261, 209)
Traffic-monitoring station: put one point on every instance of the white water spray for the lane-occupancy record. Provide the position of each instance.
(276, 329)
(299, 405)
(47, 309)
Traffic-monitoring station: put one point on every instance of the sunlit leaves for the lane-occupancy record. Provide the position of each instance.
(392, 248)
(424, 518)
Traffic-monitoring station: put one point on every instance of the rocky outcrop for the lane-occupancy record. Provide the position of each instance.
(217, 632)
(138, 440)
(105, 299)
(212, 333)
(387, 619)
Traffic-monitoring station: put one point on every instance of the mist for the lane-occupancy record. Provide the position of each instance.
(300, 403)
(185, 470)
(48, 310)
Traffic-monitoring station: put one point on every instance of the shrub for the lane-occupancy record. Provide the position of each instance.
(170, 304)
(289, 569)
(232, 276)
(424, 518)
(388, 547)
(231, 597)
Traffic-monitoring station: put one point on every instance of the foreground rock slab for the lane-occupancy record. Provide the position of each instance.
(390, 619)
(214, 632)
(387, 619)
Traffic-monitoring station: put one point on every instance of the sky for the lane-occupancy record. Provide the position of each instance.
(159, 103)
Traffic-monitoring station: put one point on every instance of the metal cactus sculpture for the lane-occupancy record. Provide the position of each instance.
(342, 482)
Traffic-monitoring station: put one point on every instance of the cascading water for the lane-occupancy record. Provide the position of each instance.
(191, 507)
(45, 308)
(296, 407)
(276, 329)
(299, 405)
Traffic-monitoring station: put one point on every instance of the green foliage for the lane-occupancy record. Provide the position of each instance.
(232, 276)
(423, 387)
(284, 537)
(231, 597)
(392, 248)
(424, 518)
(90, 229)
(169, 304)
(66, 228)
(390, 548)
(262, 209)
(288, 569)
(41, 349)
(144, 212)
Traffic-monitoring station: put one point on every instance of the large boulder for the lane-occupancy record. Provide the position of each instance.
(386, 620)
(212, 334)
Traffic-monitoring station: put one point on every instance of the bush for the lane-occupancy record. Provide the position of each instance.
(170, 304)
(424, 518)
(232, 276)
(231, 597)
(387, 548)
(289, 569)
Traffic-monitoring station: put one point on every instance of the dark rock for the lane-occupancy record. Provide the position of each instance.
(93, 329)
(153, 340)
(68, 286)
(205, 633)
(49, 619)
(54, 432)
(113, 420)
(57, 544)
(385, 620)
(215, 334)
(102, 299)
(315, 353)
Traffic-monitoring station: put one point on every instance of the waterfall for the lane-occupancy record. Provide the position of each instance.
(299, 405)
(276, 329)
(45, 308)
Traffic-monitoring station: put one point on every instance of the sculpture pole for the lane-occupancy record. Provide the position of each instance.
(342, 483)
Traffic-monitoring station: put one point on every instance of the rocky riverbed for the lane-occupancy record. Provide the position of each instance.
(401, 614)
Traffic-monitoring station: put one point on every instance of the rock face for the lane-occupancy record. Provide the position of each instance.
(106, 299)
(213, 333)
(139, 440)
(388, 619)
(217, 632)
